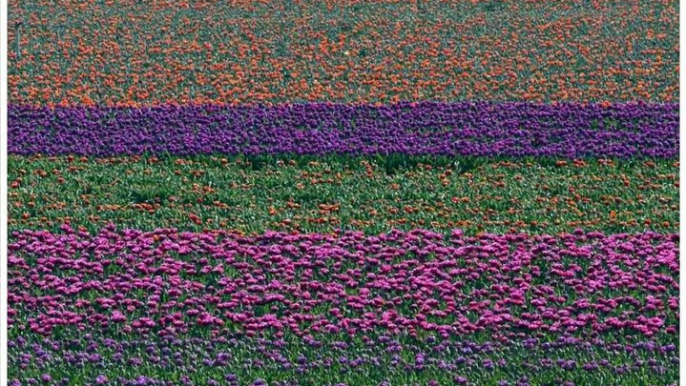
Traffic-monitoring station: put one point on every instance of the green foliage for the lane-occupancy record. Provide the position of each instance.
(369, 194)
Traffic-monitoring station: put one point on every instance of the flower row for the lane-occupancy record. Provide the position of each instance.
(156, 52)
(324, 194)
(441, 129)
(370, 359)
(171, 282)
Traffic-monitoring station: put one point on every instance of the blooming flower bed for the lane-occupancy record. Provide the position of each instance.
(323, 194)
(514, 290)
(441, 129)
(282, 51)
(234, 359)
(343, 192)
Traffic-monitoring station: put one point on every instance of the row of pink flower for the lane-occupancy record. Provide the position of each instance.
(168, 282)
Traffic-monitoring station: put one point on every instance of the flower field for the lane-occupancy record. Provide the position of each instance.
(332, 193)
(134, 53)
(407, 299)
(460, 129)
(426, 192)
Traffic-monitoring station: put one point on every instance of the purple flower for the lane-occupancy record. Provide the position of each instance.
(444, 129)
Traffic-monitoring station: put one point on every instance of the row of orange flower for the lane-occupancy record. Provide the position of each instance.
(373, 51)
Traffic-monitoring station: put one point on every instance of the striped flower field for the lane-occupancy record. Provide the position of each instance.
(343, 193)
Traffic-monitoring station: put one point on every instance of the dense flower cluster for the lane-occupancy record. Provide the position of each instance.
(442, 129)
(395, 282)
(154, 52)
(234, 359)
(540, 294)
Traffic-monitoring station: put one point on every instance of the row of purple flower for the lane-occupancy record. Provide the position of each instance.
(636, 130)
